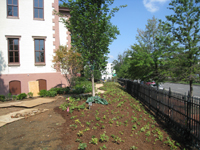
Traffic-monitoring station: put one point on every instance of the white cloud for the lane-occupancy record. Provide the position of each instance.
(153, 5)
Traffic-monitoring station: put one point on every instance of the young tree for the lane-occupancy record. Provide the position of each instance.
(185, 29)
(91, 31)
(69, 61)
(87, 73)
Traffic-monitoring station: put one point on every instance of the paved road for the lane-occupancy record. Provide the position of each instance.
(182, 88)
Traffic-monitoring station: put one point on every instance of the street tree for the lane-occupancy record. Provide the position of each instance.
(150, 55)
(185, 29)
(91, 31)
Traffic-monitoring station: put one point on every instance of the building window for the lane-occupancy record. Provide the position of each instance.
(13, 50)
(39, 51)
(12, 8)
(38, 9)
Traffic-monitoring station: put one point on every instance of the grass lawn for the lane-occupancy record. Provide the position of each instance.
(122, 124)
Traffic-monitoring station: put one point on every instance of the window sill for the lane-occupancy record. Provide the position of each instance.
(39, 19)
(40, 64)
(14, 64)
(12, 17)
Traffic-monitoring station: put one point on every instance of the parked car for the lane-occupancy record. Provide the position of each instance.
(155, 86)
(148, 83)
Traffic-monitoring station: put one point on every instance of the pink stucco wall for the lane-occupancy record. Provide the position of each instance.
(52, 79)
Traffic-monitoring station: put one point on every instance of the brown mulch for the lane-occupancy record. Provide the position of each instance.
(51, 130)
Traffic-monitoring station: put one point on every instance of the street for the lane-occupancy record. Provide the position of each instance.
(182, 88)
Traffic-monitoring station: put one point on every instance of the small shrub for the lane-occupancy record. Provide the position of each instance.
(30, 94)
(104, 137)
(94, 141)
(9, 96)
(21, 96)
(81, 79)
(51, 93)
(14, 97)
(78, 90)
(66, 90)
(2, 98)
(82, 146)
(43, 93)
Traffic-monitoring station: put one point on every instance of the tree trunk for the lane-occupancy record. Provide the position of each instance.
(93, 88)
(191, 88)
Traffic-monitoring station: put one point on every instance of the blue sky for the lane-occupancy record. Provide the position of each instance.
(134, 16)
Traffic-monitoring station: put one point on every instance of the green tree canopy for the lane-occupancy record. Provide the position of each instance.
(91, 30)
(185, 29)
(150, 55)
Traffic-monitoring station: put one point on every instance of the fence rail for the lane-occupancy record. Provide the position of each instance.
(178, 110)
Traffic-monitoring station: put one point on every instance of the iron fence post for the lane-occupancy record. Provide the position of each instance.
(188, 116)
(169, 96)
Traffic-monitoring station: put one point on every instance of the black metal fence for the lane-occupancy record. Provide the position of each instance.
(177, 110)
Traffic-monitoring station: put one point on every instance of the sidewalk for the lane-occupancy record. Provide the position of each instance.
(28, 104)
(17, 115)
(98, 86)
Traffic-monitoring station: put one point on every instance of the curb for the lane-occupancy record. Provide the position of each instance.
(181, 83)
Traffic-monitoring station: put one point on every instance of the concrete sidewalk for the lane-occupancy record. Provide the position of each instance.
(28, 104)
(98, 86)
(17, 115)
(14, 116)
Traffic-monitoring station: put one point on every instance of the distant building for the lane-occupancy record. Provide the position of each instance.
(30, 33)
(107, 74)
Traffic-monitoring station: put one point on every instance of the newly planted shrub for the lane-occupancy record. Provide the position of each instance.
(30, 94)
(94, 141)
(133, 147)
(103, 147)
(2, 98)
(43, 93)
(21, 96)
(14, 97)
(80, 133)
(104, 137)
(51, 93)
(82, 146)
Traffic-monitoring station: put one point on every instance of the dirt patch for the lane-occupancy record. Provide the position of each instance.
(42, 131)
(121, 127)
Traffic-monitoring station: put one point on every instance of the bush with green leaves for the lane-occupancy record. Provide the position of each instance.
(61, 90)
(14, 97)
(21, 96)
(79, 79)
(78, 90)
(2, 98)
(82, 146)
(9, 96)
(30, 94)
(87, 85)
(51, 93)
(73, 104)
(43, 93)
(104, 137)
(94, 141)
